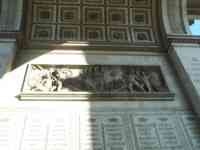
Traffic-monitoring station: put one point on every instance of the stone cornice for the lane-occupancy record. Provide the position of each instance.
(9, 35)
(184, 39)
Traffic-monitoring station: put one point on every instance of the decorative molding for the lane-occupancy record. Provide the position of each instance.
(9, 35)
(194, 17)
(186, 39)
(110, 82)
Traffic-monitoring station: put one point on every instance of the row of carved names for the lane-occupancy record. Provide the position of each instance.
(102, 131)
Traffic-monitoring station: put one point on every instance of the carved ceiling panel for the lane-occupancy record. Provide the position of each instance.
(97, 21)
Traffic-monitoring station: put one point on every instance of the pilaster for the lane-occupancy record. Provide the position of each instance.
(7, 52)
(186, 60)
(10, 24)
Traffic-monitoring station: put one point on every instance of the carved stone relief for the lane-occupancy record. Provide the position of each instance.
(95, 79)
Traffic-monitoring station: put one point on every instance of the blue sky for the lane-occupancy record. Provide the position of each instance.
(195, 28)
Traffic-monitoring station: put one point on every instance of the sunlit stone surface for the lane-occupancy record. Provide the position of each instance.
(98, 75)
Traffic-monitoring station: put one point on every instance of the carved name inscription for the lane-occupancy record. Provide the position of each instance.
(102, 133)
(11, 126)
(109, 80)
(42, 133)
(156, 132)
(6, 133)
(191, 125)
(195, 71)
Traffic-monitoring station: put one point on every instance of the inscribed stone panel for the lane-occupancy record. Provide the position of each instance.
(103, 132)
(156, 132)
(191, 126)
(99, 129)
(42, 132)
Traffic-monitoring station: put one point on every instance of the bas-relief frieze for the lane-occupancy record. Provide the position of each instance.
(96, 78)
(120, 130)
(102, 80)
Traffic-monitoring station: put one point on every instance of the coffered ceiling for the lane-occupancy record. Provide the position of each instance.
(102, 22)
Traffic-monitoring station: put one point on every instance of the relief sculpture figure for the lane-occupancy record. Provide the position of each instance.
(114, 80)
(45, 80)
(106, 79)
(156, 82)
(134, 82)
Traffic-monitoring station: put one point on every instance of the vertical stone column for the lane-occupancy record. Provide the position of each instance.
(186, 59)
(7, 53)
(10, 22)
(11, 15)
